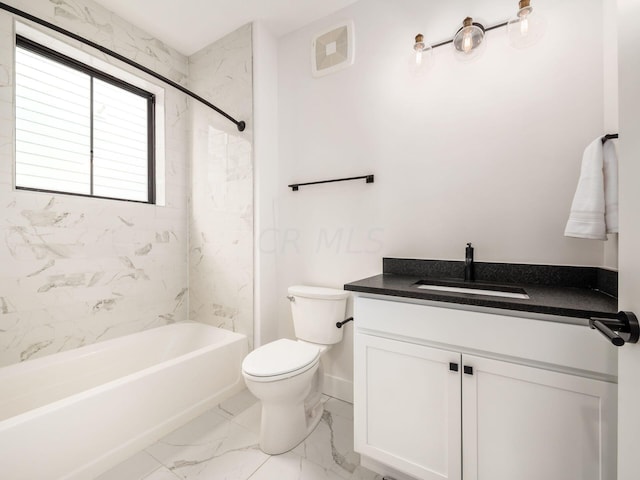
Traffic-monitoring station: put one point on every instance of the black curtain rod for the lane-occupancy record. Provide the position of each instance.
(240, 124)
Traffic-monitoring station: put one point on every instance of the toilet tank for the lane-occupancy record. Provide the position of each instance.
(315, 312)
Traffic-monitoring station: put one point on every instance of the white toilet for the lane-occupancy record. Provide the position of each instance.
(286, 375)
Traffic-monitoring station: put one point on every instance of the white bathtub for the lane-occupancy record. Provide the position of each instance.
(75, 414)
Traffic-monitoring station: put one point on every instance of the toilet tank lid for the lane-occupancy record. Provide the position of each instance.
(306, 291)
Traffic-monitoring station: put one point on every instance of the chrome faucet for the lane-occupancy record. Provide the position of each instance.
(469, 274)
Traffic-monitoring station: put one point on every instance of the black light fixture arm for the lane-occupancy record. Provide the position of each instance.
(486, 29)
(241, 125)
(620, 330)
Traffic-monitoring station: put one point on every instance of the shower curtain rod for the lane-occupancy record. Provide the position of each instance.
(240, 124)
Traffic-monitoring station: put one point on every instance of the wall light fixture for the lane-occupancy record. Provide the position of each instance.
(420, 58)
(469, 38)
(525, 29)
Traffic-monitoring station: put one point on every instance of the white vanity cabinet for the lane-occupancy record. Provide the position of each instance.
(408, 415)
(450, 394)
(530, 423)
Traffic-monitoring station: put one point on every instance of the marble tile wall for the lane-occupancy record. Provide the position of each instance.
(221, 210)
(76, 270)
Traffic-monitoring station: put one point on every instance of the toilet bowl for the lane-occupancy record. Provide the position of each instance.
(286, 375)
(281, 374)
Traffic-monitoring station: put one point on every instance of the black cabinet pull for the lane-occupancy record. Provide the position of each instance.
(468, 370)
(453, 367)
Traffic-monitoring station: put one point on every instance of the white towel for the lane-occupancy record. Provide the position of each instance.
(611, 185)
(594, 211)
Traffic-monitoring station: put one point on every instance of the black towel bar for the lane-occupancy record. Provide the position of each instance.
(609, 136)
(620, 330)
(295, 186)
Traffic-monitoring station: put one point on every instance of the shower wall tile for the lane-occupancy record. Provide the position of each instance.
(78, 270)
(223, 73)
(221, 209)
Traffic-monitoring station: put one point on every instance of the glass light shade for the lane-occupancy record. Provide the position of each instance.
(469, 40)
(527, 27)
(420, 58)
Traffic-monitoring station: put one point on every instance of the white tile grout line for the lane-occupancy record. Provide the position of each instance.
(159, 468)
(259, 467)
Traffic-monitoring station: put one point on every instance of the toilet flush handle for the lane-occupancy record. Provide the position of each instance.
(340, 324)
(291, 298)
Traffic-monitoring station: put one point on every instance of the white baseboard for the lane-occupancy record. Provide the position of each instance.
(338, 388)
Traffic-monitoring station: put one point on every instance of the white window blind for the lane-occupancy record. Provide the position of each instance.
(79, 131)
(53, 125)
(120, 143)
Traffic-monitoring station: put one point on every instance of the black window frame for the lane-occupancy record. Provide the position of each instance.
(51, 54)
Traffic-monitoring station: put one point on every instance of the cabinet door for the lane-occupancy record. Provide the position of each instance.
(527, 423)
(407, 407)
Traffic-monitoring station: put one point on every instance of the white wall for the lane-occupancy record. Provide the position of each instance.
(485, 152)
(265, 160)
(76, 270)
(629, 356)
(221, 206)
(611, 110)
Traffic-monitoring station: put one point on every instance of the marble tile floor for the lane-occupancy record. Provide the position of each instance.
(222, 444)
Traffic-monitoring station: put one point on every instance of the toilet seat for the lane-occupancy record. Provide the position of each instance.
(281, 359)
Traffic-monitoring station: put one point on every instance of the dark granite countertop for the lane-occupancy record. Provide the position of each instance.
(580, 292)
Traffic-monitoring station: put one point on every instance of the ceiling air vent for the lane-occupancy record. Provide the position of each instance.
(332, 50)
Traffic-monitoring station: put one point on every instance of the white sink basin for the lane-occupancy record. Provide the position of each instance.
(475, 291)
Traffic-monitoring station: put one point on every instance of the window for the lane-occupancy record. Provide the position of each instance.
(81, 131)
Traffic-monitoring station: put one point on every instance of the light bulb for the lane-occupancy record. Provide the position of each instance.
(469, 40)
(527, 27)
(419, 60)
